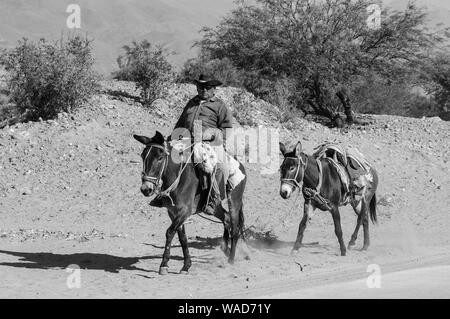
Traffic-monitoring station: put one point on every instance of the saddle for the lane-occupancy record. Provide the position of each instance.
(353, 169)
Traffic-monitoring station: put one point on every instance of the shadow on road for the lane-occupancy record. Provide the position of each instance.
(91, 261)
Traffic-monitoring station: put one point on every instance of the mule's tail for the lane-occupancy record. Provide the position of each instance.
(373, 209)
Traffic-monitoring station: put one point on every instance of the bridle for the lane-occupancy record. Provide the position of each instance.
(308, 193)
(294, 181)
(156, 181)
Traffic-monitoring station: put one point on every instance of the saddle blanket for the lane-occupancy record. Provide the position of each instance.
(207, 157)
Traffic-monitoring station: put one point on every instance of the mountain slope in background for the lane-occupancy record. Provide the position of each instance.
(439, 10)
(113, 23)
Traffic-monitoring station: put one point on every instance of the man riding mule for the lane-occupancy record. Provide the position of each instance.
(214, 118)
(327, 185)
(173, 175)
(179, 184)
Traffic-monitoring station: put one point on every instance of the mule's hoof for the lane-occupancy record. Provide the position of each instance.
(294, 252)
(343, 253)
(350, 245)
(163, 270)
(364, 248)
(184, 272)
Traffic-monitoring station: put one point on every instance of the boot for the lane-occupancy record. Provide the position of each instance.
(210, 209)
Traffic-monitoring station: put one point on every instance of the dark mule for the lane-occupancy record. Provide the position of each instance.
(179, 183)
(299, 167)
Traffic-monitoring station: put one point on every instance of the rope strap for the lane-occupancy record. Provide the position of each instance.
(167, 191)
(315, 196)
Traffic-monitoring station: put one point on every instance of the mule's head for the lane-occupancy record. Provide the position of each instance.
(154, 158)
(292, 169)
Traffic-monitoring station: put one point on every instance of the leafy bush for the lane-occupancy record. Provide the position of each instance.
(46, 78)
(147, 66)
(377, 97)
(281, 95)
(439, 73)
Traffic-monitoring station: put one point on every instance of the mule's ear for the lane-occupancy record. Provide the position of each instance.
(143, 139)
(158, 138)
(282, 148)
(298, 149)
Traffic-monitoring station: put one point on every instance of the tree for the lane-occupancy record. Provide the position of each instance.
(46, 78)
(146, 65)
(438, 71)
(321, 45)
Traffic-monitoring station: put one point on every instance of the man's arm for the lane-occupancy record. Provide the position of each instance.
(225, 120)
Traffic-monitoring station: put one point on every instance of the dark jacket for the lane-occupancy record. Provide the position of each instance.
(213, 114)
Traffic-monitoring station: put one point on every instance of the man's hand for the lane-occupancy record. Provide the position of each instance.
(212, 134)
(208, 135)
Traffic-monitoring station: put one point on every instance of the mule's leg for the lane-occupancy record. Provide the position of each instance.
(234, 240)
(360, 212)
(307, 210)
(184, 245)
(365, 223)
(234, 229)
(222, 215)
(170, 233)
(226, 220)
(338, 229)
(224, 245)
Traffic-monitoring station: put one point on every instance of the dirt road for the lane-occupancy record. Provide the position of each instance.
(420, 283)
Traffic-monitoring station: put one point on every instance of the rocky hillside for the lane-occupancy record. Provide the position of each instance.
(87, 165)
(69, 194)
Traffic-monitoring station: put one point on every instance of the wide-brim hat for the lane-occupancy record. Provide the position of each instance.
(204, 80)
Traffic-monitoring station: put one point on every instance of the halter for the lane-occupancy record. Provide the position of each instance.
(293, 181)
(309, 193)
(156, 181)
